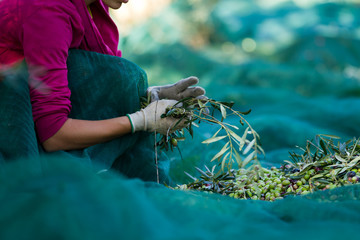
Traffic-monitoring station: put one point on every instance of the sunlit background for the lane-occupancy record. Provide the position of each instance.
(296, 63)
(234, 31)
(136, 12)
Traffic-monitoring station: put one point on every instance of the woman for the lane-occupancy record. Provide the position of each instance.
(42, 32)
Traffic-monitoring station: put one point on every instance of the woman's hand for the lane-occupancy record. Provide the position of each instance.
(149, 119)
(178, 91)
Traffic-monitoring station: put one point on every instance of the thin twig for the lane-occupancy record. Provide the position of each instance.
(156, 154)
(180, 153)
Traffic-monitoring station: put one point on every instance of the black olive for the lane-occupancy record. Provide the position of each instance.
(351, 174)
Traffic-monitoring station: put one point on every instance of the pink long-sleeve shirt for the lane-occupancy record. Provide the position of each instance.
(42, 32)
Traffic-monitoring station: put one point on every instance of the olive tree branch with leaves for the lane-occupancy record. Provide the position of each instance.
(241, 150)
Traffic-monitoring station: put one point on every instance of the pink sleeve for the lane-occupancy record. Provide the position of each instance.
(118, 53)
(47, 37)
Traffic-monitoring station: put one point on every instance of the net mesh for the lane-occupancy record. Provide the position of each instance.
(304, 84)
(61, 198)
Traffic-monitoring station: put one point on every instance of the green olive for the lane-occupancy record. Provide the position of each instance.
(285, 182)
(174, 142)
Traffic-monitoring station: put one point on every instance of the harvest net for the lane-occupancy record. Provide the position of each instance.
(302, 79)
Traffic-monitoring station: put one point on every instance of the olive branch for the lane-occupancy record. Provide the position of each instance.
(241, 150)
(235, 145)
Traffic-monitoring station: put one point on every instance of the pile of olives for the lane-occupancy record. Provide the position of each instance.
(270, 184)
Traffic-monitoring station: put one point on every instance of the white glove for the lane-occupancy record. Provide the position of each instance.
(177, 91)
(149, 119)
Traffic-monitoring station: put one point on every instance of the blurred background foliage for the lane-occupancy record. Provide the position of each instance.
(296, 64)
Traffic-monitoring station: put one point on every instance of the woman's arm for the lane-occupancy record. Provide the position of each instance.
(52, 28)
(77, 134)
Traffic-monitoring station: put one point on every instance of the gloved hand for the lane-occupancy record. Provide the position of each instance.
(149, 119)
(177, 91)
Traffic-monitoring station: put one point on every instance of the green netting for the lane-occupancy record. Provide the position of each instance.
(16, 125)
(302, 80)
(63, 199)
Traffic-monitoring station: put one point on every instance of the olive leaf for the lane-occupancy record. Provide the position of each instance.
(249, 146)
(223, 111)
(237, 137)
(238, 158)
(214, 139)
(248, 159)
(222, 151)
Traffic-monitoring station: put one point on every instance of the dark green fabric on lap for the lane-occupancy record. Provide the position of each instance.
(104, 87)
(17, 135)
